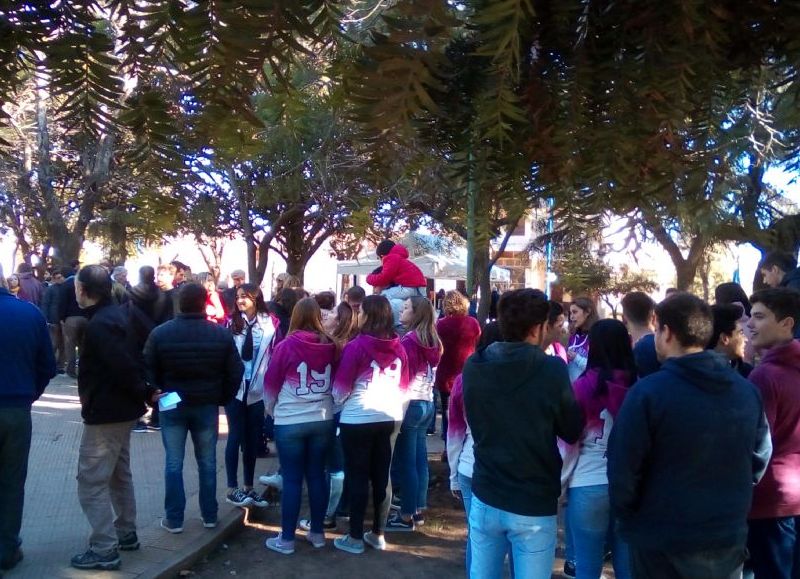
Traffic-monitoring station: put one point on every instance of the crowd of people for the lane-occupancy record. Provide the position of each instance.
(669, 440)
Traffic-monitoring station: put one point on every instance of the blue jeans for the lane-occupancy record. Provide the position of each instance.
(303, 450)
(569, 544)
(591, 525)
(411, 456)
(245, 428)
(203, 424)
(492, 531)
(465, 484)
(15, 445)
(774, 548)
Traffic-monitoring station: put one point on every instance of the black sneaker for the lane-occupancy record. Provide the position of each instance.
(129, 542)
(239, 498)
(11, 560)
(569, 568)
(396, 523)
(140, 426)
(419, 519)
(91, 560)
(153, 426)
(258, 500)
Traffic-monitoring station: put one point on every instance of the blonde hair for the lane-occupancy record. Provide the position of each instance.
(423, 323)
(455, 304)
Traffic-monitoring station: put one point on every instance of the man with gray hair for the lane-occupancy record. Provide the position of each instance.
(112, 392)
(121, 287)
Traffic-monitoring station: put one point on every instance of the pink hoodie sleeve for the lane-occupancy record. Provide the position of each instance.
(456, 430)
(274, 377)
(411, 349)
(277, 336)
(405, 373)
(346, 373)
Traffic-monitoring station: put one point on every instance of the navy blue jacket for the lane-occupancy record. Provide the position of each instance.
(687, 447)
(51, 303)
(26, 356)
(644, 353)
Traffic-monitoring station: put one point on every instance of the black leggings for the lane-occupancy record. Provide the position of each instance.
(368, 457)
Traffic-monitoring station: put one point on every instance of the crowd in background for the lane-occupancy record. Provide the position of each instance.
(668, 441)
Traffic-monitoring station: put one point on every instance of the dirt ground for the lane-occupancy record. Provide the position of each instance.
(436, 550)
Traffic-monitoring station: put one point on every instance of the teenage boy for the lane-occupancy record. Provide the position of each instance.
(638, 313)
(197, 360)
(687, 447)
(518, 401)
(775, 515)
(780, 270)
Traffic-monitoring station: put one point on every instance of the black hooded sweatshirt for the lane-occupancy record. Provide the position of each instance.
(111, 383)
(688, 445)
(147, 308)
(518, 400)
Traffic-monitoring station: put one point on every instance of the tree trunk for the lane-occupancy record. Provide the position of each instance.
(211, 249)
(64, 247)
(294, 245)
(686, 273)
(255, 269)
(118, 233)
(483, 281)
(685, 267)
(705, 274)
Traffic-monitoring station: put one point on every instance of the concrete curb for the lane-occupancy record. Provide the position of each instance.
(229, 524)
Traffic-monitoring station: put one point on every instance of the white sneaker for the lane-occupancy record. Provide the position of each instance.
(272, 480)
(377, 542)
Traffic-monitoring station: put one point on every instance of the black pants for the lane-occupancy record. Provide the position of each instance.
(445, 398)
(712, 564)
(367, 458)
(15, 445)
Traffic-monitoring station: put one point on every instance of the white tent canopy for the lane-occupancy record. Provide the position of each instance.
(432, 266)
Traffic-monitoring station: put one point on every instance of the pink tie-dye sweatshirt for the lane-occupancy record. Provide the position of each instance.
(372, 380)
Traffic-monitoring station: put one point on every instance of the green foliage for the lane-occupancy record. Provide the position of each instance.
(581, 273)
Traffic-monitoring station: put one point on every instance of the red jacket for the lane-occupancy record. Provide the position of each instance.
(459, 335)
(397, 268)
(778, 379)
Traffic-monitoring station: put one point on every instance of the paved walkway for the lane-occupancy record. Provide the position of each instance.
(54, 528)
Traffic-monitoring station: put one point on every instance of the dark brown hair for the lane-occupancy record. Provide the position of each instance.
(378, 318)
(346, 327)
(253, 292)
(587, 305)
